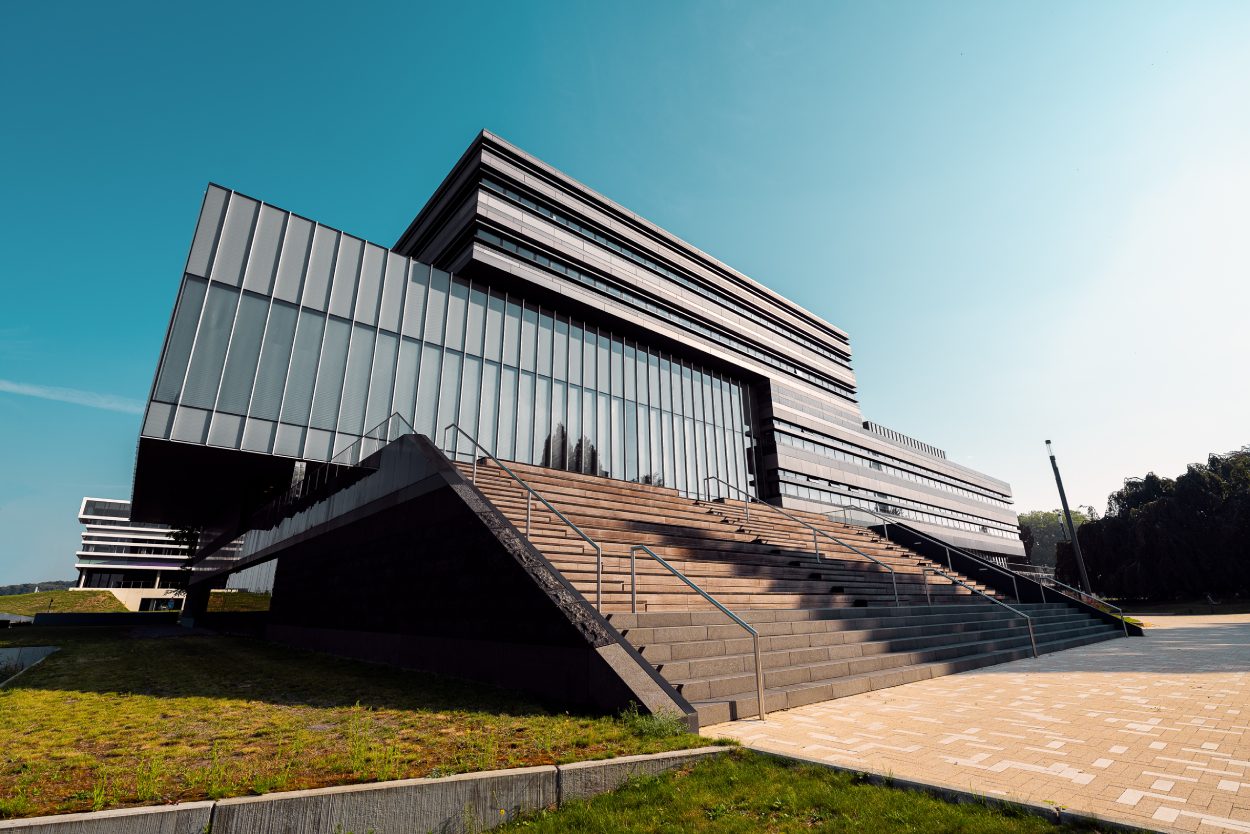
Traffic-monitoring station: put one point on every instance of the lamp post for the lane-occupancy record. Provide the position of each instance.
(1067, 515)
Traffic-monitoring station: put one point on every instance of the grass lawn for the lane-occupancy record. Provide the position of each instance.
(238, 601)
(748, 792)
(160, 714)
(87, 602)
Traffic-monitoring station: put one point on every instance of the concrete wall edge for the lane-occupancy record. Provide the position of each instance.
(197, 817)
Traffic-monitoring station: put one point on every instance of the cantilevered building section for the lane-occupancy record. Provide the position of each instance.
(553, 325)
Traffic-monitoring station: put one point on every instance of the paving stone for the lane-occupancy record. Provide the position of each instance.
(1151, 731)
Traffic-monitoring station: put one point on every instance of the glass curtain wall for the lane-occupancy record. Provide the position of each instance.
(538, 387)
(530, 384)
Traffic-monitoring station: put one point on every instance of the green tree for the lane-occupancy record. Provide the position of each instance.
(1042, 530)
(1173, 539)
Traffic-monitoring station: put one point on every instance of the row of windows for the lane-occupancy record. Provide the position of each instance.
(534, 386)
(903, 440)
(864, 457)
(96, 579)
(643, 303)
(107, 509)
(121, 523)
(133, 549)
(819, 489)
(689, 283)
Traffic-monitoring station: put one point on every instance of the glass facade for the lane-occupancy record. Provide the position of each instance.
(364, 333)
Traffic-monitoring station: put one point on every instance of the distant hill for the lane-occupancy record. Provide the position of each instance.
(29, 587)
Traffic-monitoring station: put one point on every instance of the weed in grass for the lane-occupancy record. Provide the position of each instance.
(388, 765)
(148, 778)
(357, 742)
(99, 792)
(214, 780)
(653, 725)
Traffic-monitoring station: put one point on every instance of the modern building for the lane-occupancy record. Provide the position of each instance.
(137, 561)
(550, 323)
(324, 406)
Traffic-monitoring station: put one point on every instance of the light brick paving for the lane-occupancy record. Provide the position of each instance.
(1152, 731)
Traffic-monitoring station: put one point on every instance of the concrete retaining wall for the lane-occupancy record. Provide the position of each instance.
(186, 818)
(582, 780)
(468, 802)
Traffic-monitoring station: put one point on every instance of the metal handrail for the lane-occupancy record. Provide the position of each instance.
(755, 635)
(925, 569)
(815, 530)
(885, 520)
(1119, 611)
(531, 494)
(1006, 571)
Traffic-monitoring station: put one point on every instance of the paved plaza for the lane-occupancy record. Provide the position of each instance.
(1151, 731)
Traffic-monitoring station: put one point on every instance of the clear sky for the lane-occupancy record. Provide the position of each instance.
(1033, 219)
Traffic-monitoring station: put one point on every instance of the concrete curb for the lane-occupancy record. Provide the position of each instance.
(460, 804)
(465, 802)
(583, 780)
(184, 818)
(1050, 813)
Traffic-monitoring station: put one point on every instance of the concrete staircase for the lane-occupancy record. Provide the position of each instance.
(829, 625)
(815, 655)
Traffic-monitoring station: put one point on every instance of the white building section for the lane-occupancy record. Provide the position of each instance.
(139, 562)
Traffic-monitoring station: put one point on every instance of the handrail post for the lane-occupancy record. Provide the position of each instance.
(1015, 588)
(755, 635)
(476, 458)
(759, 677)
(1032, 637)
(633, 582)
(746, 508)
(530, 495)
(924, 575)
(949, 564)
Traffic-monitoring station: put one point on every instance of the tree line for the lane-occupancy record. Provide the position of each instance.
(1171, 538)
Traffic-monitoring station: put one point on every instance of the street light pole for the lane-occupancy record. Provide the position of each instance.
(1067, 515)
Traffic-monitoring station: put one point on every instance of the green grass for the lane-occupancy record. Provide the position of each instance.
(160, 714)
(748, 792)
(238, 601)
(84, 602)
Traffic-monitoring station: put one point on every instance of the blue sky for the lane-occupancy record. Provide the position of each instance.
(1030, 217)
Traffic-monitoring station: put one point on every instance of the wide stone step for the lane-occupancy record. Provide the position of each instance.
(918, 639)
(719, 710)
(713, 686)
(885, 612)
(874, 628)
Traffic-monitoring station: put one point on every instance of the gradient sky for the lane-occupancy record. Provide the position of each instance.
(1033, 219)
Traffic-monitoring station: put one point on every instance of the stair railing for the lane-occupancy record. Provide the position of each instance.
(755, 635)
(885, 521)
(926, 569)
(1077, 592)
(816, 531)
(530, 495)
(1049, 580)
